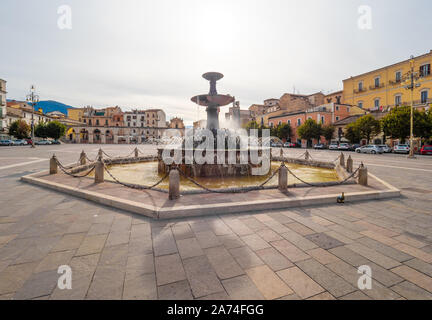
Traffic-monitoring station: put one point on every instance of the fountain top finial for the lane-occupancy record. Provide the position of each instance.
(212, 77)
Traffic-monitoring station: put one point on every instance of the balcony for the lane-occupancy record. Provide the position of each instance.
(359, 90)
(374, 87)
(395, 82)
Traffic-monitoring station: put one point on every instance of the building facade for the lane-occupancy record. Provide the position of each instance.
(383, 89)
(325, 114)
(3, 108)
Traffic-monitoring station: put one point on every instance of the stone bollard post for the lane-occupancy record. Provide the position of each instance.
(363, 176)
(83, 160)
(174, 184)
(283, 178)
(307, 155)
(53, 165)
(136, 152)
(100, 153)
(281, 152)
(349, 165)
(342, 160)
(99, 171)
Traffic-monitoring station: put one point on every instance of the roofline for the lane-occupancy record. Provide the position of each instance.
(391, 65)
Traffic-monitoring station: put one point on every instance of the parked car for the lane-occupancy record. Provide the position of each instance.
(55, 142)
(29, 141)
(276, 145)
(19, 142)
(386, 148)
(426, 150)
(333, 146)
(42, 142)
(353, 147)
(372, 148)
(320, 146)
(401, 148)
(344, 147)
(6, 142)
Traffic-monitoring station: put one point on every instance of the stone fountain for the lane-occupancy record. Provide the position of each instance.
(213, 101)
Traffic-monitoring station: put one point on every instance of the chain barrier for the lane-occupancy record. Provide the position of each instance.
(64, 170)
(245, 190)
(134, 186)
(352, 175)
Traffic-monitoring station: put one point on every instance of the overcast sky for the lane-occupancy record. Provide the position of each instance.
(152, 53)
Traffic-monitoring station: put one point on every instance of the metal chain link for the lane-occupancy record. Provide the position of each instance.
(244, 190)
(134, 186)
(315, 185)
(64, 170)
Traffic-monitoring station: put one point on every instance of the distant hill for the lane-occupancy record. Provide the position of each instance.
(50, 105)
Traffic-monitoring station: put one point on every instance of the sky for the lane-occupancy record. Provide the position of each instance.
(152, 53)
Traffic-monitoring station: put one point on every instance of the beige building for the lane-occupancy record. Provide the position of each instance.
(3, 109)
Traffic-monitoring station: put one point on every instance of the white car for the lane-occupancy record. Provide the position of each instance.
(344, 147)
(401, 148)
(386, 148)
(371, 148)
(333, 146)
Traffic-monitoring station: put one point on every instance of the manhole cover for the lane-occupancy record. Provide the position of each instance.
(324, 241)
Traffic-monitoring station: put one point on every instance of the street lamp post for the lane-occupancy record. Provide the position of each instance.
(33, 99)
(412, 84)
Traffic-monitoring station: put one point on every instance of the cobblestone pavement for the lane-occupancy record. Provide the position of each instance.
(307, 253)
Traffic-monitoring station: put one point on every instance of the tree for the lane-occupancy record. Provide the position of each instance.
(328, 132)
(284, 131)
(310, 130)
(397, 123)
(255, 125)
(19, 129)
(352, 134)
(55, 130)
(41, 130)
(368, 127)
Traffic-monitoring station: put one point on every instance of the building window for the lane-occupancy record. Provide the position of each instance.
(424, 96)
(377, 82)
(106, 122)
(322, 120)
(298, 122)
(97, 122)
(337, 118)
(128, 124)
(360, 104)
(360, 86)
(425, 70)
(271, 124)
(398, 76)
(337, 108)
(398, 100)
(90, 122)
(289, 122)
(377, 103)
(280, 123)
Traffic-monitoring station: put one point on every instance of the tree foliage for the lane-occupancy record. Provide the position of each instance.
(283, 131)
(310, 130)
(19, 129)
(397, 123)
(352, 133)
(327, 132)
(53, 129)
(368, 127)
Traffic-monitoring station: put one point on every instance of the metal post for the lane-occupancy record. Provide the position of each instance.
(283, 178)
(99, 171)
(349, 166)
(363, 175)
(53, 165)
(83, 158)
(174, 184)
(342, 160)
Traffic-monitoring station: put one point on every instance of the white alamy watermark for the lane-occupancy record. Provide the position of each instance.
(222, 147)
(65, 280)
(364, 22)
(365, 280)
(64, 21)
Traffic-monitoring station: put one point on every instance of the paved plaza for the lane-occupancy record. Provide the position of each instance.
(304, 253)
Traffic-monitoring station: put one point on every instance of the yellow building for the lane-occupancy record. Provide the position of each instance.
(384, 88)
(76, 114)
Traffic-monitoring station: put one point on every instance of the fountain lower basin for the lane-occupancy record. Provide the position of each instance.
(147, 173)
